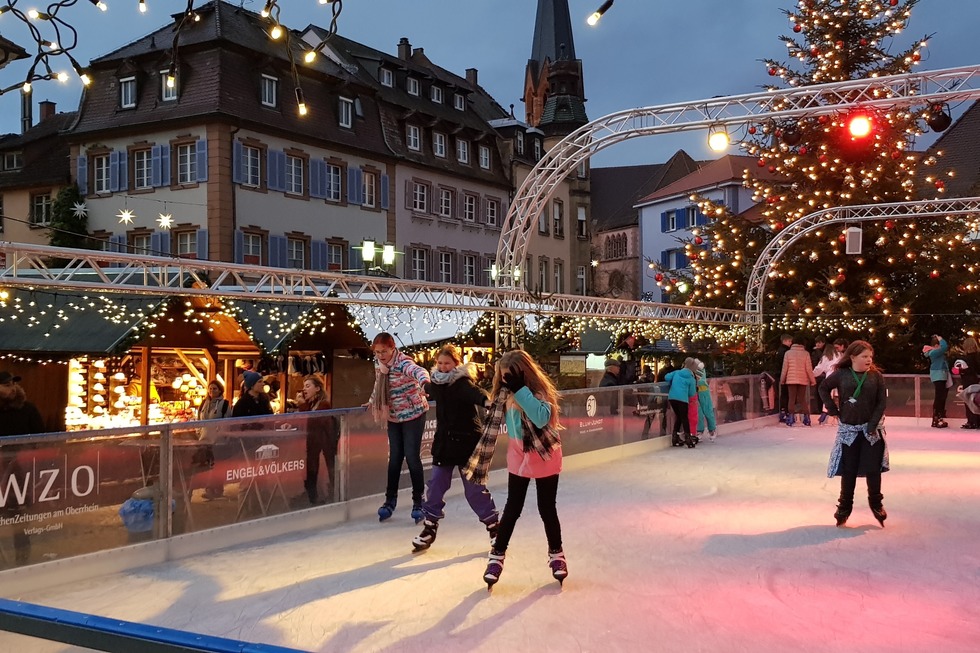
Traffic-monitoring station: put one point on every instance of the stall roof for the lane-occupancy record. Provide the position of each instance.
(66, 322)
(276, 326)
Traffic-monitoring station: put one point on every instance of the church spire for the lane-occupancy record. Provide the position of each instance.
(554, 94)
(552, 32)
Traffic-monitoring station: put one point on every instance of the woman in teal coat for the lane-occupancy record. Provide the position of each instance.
(706, 407)
(682, 395)
(939, 375)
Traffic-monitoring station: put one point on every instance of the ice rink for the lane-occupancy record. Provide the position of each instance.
(727, 547)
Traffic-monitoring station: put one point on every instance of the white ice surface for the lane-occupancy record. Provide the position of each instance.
(727, 547)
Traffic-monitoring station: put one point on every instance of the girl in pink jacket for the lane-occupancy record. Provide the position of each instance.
(797, 376)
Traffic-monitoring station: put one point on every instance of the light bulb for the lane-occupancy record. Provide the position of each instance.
(142, 6)
(310, 56)
(276, 32)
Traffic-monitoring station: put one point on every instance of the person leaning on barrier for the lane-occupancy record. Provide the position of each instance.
(17, 417)
(609, 379)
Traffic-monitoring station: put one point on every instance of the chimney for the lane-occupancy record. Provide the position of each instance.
(404, 49)
(47, 109)
(26, 112)
(471, 76)
(420, 51)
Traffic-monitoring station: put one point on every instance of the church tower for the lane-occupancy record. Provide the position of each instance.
(554, 94)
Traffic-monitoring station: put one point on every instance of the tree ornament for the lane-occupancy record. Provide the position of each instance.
(658, 277)
(772, 71)
(889, 224)
(698, 240)
(893, 3)
(797, 28)
(840, 278)
(751, 129)
(761, 163)
(934, 274)
(803, 150)
(772, 168)
(879, 296)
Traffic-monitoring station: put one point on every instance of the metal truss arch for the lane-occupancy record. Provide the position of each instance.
(910, 89)
(806, 225)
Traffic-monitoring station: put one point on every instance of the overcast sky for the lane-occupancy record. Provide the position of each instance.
(643, 52)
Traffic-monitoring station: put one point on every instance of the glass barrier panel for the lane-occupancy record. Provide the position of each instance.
(592, 419)
(902, 397)
(647, 414)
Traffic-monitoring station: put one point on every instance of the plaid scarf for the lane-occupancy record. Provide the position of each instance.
(543, 441)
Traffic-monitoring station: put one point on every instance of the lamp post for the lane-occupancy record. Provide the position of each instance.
(370, 251)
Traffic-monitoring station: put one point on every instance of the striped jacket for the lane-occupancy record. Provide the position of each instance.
(406, 400)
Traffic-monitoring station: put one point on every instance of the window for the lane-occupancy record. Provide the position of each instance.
(543, 274)
(439, 144)
(692, 217)
(186, 244)
(580, 288)
(139, 244)
(582, 170)
(616, 246)
(469, 208)
(520, 142)
(418, 264)
(270, 91)
(581, 225)
(671, 221)
(100, 168)
(13, 160)
(493, 207)
(462, 150)
(40, 209)
(335, 256)
(459, 101)
(435, 93)
(369, 190)
(543, 222)
(251, 174)
(187, 163)
(558, 215)
(346, 112)
(537, 149)
(334, 175)
(295, 253)
(413, 138)
(413, 86)
(1, 214)
(252, 249)
(446, 267)
(127, 92)
(559, 269)
(469, 270)
(420, 197)
(488, 273)
(484, 157)
(446, 200)
(168, 92)
(142, 169)
(387, 78)
(294, 175)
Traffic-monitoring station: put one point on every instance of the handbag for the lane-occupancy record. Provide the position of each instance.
(949, 379)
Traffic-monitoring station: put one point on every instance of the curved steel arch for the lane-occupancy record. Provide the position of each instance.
(844, 214)
(946, 85)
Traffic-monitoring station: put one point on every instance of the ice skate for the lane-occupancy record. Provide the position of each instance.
(417, 514)
(495, 567)
(676, 441)
(424, 540)
(712, 436)
(823, 418)
(806, 419)
(842, 513)
(386, 510)
(559, 569)
(691, 441)
(878, 510)
(492, 532)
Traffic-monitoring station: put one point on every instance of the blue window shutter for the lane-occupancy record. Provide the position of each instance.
(114, 171)
(358, 186)
(165, 242)
(270, 167)
(665, 260)
(155, 244)
(82, 175)
(124, 171)
(155, 165)
(700, 219)
(663, 222)
(165, 165)
(351, 185)
(281, 170)
(239, 246)
(384, 191)
(237, 162)
(202, 160)
(202, 244)
(318, 255)
(277, 251)
(316, 178)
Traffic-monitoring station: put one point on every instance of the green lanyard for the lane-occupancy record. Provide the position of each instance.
(860, 382)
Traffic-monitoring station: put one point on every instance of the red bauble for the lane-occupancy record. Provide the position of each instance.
(822, 158)
(658, 277)
(893, 3)
(839, 44)
(673, 281)
(822, 120)
(896, 154)
(762, 163)
(692, 255)
(797, 28)
(779, 225)
(779, 133)
(916, 56)
(772, 168)
(841, 278)
(842, 238)
(803, 150)
(879, 296)
(698, 240)
(934, 274)
(815, 51)
(864, 41)
(940, 183)
(889, 224)
(751, 129)
(772, 72)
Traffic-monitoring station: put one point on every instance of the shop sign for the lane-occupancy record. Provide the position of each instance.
(34, 486)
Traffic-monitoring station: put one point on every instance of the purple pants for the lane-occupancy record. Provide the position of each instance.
(476, 495)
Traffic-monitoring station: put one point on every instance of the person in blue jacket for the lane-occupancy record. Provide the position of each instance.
(706, 407)
(939, 375)
(682, 393)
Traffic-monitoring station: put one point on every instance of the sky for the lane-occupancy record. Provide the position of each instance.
(642, 53)
(728, 547)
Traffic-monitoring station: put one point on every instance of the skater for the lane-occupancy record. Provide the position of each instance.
(939, 374)
(609, 379)
(824, 368)
(797, 377)
(458, 426)
(525, 399)
(706, 407)
(860, 448)
(398, 399)
(322, 437)
(682, 394)
(782, 392)
(968, 369)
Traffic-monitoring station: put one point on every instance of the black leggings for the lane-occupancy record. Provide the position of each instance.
(547, 489)
(939, 400)
(681, 413)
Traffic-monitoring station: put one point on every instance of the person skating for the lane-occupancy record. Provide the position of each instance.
(682, 395)
(939, 374)
(706, 406)
(859, 448)
(967, 368)
(525, 400)
(797, 377)
(458, 426)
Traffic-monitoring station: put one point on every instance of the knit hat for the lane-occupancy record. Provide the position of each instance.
(612, 362)
(250, 378)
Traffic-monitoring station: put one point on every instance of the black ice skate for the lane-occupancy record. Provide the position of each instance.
(424, 540)
(559, 569)
(495, 567)
(878, 510)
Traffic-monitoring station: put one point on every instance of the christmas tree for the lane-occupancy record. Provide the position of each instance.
(914, 277)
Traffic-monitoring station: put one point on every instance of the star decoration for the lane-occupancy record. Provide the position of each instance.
(165, 220)
(79, 210)
(125, 216)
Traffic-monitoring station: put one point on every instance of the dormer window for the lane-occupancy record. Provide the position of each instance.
(13, 160)
(168, 86)
(520, 142)
(435, 93)
(413, 86)
(484, 157)
(127, 92)
(387, 78)
(270, 91)
(537, 149)
(462, 151)
(346, 112)
(459, 102)
(413, 137)
(439, 145)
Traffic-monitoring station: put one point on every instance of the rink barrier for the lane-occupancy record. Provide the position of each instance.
(115, 635)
